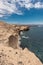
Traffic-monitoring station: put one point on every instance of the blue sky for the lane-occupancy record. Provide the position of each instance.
(21, 11)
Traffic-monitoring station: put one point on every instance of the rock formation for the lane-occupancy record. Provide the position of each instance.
(10, 53)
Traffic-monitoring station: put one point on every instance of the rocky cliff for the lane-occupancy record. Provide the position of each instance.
(10, 51)
(9, 34)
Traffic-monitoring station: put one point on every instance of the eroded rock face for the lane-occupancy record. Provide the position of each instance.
(9, 34)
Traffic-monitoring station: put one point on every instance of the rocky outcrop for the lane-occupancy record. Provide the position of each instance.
(24, 28)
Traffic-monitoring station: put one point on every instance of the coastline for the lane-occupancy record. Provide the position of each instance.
(10, 50)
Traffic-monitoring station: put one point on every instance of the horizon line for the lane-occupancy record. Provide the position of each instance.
(22, 23)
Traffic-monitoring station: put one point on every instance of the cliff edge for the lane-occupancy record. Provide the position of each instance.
(10, 56)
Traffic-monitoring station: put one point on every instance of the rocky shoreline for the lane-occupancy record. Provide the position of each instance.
(10, 51)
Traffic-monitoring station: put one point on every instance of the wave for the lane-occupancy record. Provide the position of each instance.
(21, 33)
(19, 40)
(26, 37)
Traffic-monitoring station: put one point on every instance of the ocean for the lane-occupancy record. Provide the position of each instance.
(33, 40)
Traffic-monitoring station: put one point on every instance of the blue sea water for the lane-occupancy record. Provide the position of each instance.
(33, 40)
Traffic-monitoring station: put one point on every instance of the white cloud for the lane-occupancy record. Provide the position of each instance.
(7, 7)
(38, 5)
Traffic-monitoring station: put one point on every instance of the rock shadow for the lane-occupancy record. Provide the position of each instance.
(13, 41)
